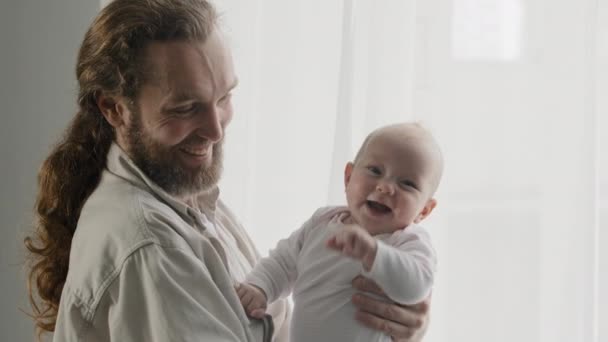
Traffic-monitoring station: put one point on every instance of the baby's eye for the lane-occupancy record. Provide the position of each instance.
(406, 184)
(374, 170)
(226, 98)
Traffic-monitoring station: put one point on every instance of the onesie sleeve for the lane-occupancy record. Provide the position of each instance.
(276, 274)
(405, 266)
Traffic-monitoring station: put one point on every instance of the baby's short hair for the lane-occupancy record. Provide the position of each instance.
(380, 130)
(415, 130)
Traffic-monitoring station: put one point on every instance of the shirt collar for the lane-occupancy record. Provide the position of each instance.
(119, 163)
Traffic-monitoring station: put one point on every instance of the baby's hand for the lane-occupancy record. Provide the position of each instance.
(253, 299)
(355, 242)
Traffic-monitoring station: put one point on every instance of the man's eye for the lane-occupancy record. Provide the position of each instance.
(183, 110)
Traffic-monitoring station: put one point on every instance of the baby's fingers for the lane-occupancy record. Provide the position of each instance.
(360, 247)
(258, 313)
(346, 241)
(240, 290)
(333, 244)
(246, 299)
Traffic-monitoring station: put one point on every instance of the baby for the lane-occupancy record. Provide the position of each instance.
(389, 190)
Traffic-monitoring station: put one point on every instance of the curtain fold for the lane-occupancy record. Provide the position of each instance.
(512, 89)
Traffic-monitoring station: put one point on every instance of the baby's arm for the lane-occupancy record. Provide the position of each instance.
(253, 300)
(270, 278)
(405, 272)
(276, 274)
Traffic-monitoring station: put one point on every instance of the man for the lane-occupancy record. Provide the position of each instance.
(133, 243)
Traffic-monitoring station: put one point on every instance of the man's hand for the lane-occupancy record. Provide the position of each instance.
(404, 323)
(355, 242)
(253, 299)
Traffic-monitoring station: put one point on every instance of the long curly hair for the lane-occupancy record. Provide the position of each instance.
(110, 61)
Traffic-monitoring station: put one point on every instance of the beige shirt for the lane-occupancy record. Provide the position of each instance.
(147, 267)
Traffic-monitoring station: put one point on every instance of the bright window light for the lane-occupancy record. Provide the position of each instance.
(487, 29)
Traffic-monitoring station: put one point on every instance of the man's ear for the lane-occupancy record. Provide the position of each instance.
(113, 109)
(426, 211)
(348, 170)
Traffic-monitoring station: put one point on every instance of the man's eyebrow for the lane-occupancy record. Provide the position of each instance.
(185, 96)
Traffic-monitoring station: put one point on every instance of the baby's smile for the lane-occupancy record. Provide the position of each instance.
(377, 207)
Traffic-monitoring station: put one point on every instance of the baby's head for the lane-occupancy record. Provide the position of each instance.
(393, 178)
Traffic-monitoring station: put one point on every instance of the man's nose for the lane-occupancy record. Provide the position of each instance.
(210, 125)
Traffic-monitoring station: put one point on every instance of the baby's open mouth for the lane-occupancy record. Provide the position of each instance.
(378, 207)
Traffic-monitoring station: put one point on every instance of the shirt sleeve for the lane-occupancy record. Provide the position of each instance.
(405, 269)
(166, 294)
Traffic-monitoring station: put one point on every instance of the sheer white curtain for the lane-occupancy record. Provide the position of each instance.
(512, 89)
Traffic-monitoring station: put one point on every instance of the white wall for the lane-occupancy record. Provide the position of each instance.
(39, 42)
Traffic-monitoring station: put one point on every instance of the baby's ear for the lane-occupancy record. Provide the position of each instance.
(426, 211)
(348, 170)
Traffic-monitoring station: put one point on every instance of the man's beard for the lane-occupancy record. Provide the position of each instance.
(161, 164)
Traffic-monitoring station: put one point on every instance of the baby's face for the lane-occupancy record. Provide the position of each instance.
(391, 184)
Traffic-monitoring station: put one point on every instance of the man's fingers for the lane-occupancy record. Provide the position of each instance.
(422, 307)
(364, 284)
(405, 323)
(388, 327)
(388, 311)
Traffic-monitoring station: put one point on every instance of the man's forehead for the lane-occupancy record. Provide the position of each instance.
(182, 94)
(186, 68)
(163, 57)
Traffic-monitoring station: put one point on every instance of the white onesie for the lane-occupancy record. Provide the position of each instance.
(320, 278)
